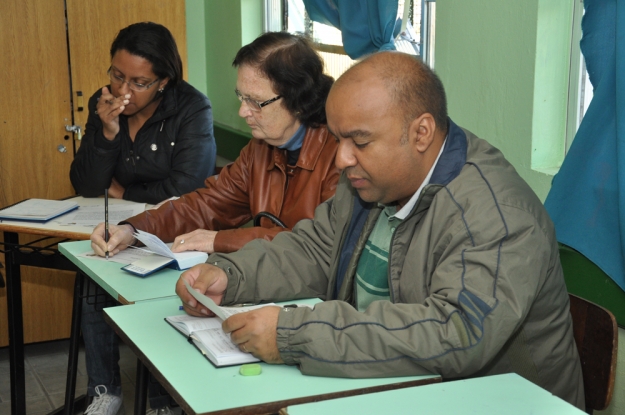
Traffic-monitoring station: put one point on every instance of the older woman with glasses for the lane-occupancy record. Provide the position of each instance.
(280, 177)
(149, 135)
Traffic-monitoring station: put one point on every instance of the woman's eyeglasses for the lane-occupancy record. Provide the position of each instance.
(253, 104)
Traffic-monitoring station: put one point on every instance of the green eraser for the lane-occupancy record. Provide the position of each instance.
(251, 369)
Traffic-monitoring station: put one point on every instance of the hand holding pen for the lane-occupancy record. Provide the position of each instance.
(120, 237)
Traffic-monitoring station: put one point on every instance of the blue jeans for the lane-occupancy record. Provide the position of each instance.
(101, 346)
(102, 352)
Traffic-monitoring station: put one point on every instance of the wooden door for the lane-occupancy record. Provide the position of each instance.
(34, 108)
(41, 51)
(35, 101)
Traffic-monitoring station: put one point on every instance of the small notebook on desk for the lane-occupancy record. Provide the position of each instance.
(207, 335)
(37, 210)
(209, 338)
(162, 257)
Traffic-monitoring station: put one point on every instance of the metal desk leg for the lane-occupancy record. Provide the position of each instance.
(72, 364)
(141, 388)
(16, 326)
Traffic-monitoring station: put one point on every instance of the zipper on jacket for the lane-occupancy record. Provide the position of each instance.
(390, 248)
(390, 253)
(391, 294)
(335, 266)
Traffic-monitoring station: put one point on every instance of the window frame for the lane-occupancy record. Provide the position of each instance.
(578, 91)
(276, 18)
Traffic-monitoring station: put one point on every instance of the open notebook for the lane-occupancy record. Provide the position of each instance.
(162, 257)
(207, 335)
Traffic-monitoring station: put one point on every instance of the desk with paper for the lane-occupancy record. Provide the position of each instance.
(42, 253)
(201, 388)
(122, 286)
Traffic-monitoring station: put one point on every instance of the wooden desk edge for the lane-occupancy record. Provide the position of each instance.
(273, 407)
(123, 301)
(6, 227)
(276, 407)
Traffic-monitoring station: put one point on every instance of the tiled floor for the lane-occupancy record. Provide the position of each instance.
(46, 371)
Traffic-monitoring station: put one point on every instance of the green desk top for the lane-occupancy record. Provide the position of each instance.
(121, 285)
(508, 394)
(201, 388)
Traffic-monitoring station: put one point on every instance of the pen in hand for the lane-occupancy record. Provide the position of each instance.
(106, 220)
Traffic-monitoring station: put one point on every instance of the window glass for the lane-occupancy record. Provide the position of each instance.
(328, 38)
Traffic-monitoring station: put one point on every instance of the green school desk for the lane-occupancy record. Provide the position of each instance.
(508, 394)
(124, 287)
(200, 388)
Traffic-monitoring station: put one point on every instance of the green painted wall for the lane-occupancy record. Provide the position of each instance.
(230, 24)
(551, 84)
(215, 32)
(196, 44)
(485, 54)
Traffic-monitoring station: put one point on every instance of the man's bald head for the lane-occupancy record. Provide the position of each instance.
(413, 87)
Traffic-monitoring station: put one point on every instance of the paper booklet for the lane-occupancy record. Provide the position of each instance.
(37, 210)
(162, 257)
(207, 335)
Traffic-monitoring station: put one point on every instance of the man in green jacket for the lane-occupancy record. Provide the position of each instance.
(434, 256)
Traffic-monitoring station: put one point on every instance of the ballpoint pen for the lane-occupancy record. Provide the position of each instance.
(106, 220)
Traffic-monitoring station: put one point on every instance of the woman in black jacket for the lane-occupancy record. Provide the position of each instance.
(149, 137)
(149, 134)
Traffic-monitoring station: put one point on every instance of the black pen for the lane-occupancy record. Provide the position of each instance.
(106, 220)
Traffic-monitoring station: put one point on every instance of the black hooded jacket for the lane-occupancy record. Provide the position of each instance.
(173, 152)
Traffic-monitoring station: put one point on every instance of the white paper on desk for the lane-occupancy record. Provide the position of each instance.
(154, 244)
(221, 312)
(125, 257)
(91, 216)
(183, 260)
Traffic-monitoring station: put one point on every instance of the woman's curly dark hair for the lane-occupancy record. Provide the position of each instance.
(295, 70)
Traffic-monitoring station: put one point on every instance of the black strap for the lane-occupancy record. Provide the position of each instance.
(269, 216)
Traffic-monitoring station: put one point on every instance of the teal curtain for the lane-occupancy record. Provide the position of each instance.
(587, 198)
(366, 26)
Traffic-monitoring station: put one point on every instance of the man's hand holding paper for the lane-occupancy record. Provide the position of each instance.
(205, 279)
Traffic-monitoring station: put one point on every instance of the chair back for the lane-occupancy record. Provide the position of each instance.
(596, 337)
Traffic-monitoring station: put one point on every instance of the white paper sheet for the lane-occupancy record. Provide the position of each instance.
(91, 216)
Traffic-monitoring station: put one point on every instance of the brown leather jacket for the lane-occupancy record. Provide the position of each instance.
(259, 180)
